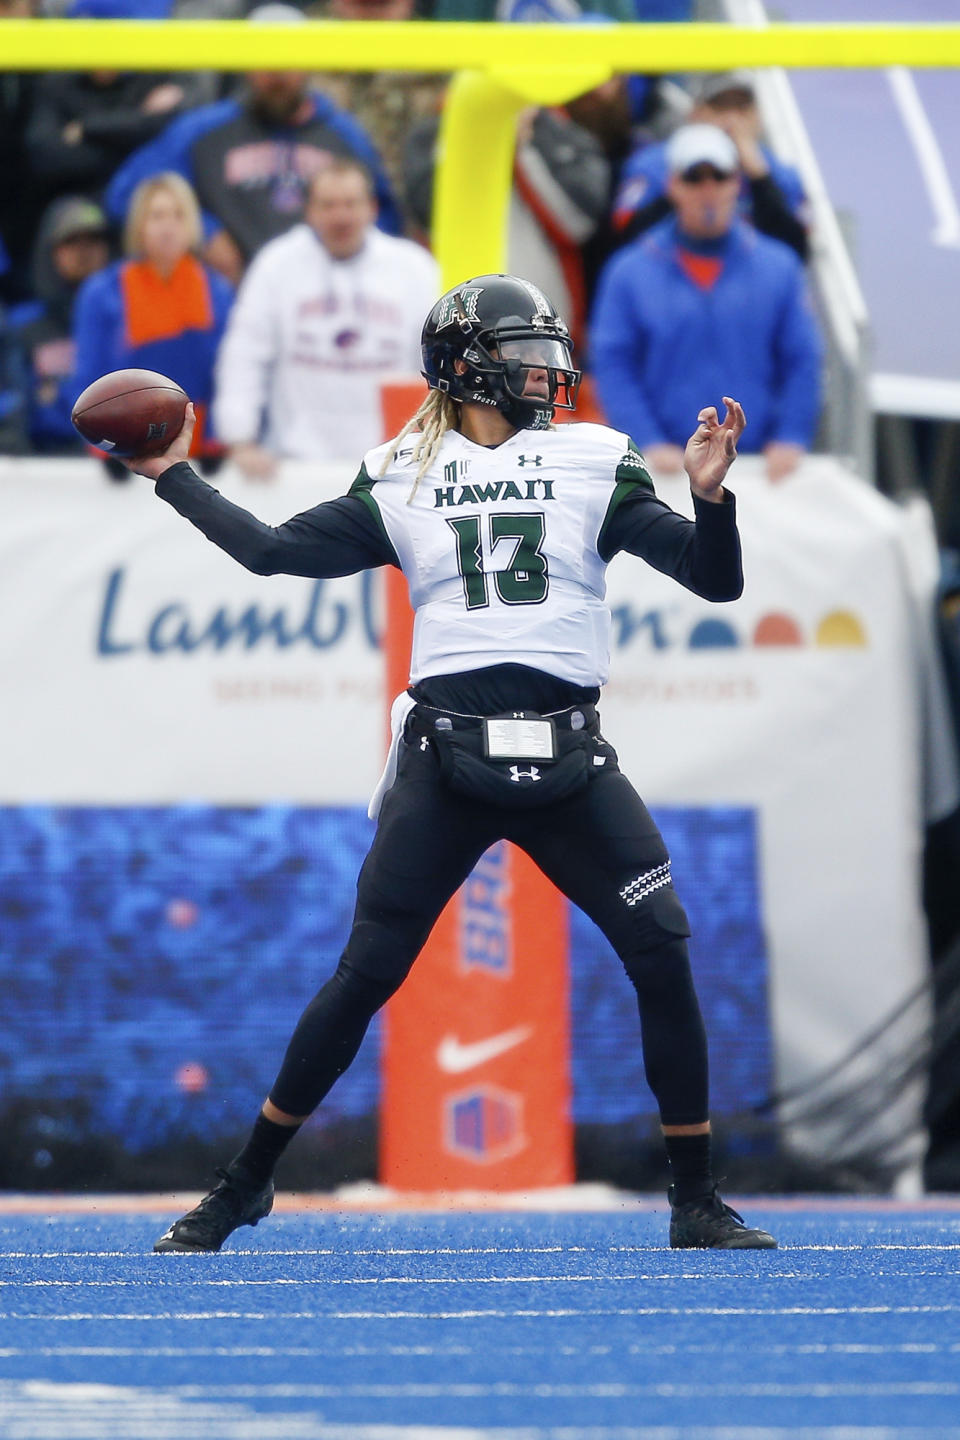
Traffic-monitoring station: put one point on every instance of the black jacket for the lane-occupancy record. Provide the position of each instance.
(113, 122)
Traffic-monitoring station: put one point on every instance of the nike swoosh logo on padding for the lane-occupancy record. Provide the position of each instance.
(454, 1057)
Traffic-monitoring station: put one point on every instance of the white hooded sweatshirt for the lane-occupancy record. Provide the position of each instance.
(311, 338)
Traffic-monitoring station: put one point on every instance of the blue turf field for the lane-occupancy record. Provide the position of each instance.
(447, 1326)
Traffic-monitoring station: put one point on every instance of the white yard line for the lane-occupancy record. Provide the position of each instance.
(366, 1352)
(678, 1276)
(392, 1252)
(528, 1313)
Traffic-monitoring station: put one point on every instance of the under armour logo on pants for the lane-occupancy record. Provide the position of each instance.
(516, 774)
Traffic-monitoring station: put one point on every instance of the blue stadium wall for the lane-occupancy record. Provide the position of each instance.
(154, 961)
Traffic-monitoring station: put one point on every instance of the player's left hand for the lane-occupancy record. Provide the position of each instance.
(712, 449)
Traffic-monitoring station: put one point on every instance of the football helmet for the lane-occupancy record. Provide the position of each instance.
(515, 348)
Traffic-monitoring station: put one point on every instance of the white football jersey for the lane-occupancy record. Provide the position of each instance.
(499, 547)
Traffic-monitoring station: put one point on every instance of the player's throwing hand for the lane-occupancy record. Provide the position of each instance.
(154, 467)
(712, 449)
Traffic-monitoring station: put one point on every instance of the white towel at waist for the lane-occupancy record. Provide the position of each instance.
(399, 711)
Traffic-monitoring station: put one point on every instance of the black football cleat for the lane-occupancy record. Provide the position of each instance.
(231, 1204)
(708, 1224)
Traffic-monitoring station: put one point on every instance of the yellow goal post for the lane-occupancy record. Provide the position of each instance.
(498, 70)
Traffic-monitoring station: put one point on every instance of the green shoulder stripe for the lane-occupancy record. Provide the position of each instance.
(632, 469)
(362, 489)
(363, 483)
(631, 474)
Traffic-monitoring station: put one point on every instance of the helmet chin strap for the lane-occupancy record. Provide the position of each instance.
(527, 414)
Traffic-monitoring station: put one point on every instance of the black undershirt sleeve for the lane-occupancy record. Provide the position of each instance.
(339, 537)
(703, 555)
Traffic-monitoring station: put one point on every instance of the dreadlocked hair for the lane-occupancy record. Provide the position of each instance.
(436, 416)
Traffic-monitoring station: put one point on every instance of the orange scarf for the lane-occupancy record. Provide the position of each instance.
(160, 309)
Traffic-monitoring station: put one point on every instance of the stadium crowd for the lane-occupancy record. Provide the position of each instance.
(245, 235)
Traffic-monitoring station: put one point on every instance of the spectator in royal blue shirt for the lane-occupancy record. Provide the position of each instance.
(703, 306)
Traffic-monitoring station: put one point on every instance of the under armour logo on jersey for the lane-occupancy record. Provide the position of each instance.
(517, 775)
(530, 460)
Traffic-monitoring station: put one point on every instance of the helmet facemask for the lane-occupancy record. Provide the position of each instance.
(523, 374)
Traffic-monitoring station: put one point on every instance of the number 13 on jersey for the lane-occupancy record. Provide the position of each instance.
(504, 548)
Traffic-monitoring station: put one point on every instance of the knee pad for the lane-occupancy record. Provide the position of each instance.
(376, 960)
(657, 954)
(660, 971)
(658, 919)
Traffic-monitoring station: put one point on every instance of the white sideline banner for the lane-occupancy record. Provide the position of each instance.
(144, 666)
(151, 668)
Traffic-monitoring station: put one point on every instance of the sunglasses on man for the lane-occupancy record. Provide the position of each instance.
(698, 173)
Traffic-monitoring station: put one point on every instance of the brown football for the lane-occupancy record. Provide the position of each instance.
(131, 412)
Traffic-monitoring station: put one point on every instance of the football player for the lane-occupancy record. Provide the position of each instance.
(503, 526)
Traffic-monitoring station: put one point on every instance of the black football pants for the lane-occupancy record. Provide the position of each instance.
(600, 847)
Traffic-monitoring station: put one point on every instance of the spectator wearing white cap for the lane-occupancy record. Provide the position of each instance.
(703, 306)
(701, 145)
(771, 194)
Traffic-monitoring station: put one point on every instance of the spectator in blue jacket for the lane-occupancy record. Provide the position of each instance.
(703, 306)
(73, 243)
(159, 309)
(250, 161)
(771, 192)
